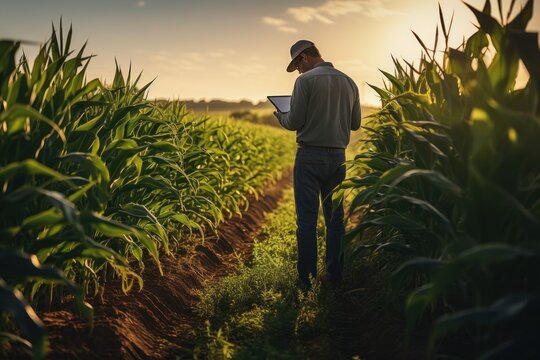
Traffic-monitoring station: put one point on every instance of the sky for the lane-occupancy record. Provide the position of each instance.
(239, 49)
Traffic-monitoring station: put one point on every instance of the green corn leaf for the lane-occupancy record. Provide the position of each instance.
(14, 339)
(21, 266)
(489, 25)
(13, 302)
(417, 302)
(393, 246)
(526, 44)
(17, 267)
(401, 222)
(432, 176)
(141, 212)
(92, 163)
(151, 246)
(383, 94)
(476, 44)
(413, 96)
(48, 218)
(392, 174)
(121, 144)
(487, 7)
(426, 265)
(19, 111)
(39, 62)
(58, 200)
(394, 80)
(443, 25)
(477, 256)
(421, 42)
(427, 124)
(424, 205)
(337, 198)
(522, 19)
(29, 167)
(460, 64)
(106, 226)
(421, 140)
(503, 310)
(92, 123)
(487, 254)
(164, 146)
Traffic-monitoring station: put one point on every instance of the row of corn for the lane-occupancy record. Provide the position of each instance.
(449, 179)
(95, 178)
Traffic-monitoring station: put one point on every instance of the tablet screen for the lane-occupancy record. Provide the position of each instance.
(281, 102)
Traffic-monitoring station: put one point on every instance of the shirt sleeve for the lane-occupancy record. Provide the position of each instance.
(356, 112)
(296, 117)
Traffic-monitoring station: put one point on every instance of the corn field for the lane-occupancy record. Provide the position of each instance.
(449, 179)
(97, 182)
(95, 178)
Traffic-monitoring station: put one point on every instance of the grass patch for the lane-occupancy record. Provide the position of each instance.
(259, 312)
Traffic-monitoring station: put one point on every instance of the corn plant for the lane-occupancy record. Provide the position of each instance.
(449, 177)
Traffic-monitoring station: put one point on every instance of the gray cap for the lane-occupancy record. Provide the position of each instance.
(296, 50)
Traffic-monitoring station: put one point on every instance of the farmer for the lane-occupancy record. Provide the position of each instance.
(325, 107)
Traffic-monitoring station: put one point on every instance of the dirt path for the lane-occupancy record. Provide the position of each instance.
(158, 322)
(357, 320)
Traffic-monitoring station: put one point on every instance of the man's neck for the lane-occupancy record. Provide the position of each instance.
(314, 62)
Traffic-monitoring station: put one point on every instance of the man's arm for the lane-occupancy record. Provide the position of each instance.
(296, 117)
(356, 112)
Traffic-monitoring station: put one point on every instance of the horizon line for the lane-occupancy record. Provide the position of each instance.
(254, 102)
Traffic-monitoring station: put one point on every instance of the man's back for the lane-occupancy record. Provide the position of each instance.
(325, 107)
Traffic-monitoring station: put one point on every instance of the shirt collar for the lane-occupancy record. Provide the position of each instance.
(324, 63)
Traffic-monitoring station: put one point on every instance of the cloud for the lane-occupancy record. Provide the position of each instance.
(287, 29)
(141, 4)
(279, 24)
(306, 14)
(331, 9)
(273, 21)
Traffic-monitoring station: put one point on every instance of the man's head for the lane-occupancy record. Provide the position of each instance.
(304, 56)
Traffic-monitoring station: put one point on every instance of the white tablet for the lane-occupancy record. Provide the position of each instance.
(281, 102)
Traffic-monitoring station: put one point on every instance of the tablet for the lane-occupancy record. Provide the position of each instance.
(281, 102)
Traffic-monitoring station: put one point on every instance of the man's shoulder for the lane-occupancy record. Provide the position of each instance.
(323, 70)
(341, 73)
(318, 72)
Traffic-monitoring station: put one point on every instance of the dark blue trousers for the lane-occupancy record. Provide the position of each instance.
(316, 173)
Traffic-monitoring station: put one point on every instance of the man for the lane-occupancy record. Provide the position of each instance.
(325, 107)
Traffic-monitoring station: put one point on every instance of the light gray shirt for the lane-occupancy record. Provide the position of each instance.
(325, 107)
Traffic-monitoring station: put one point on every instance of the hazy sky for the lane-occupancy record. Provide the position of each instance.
(239, 49)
